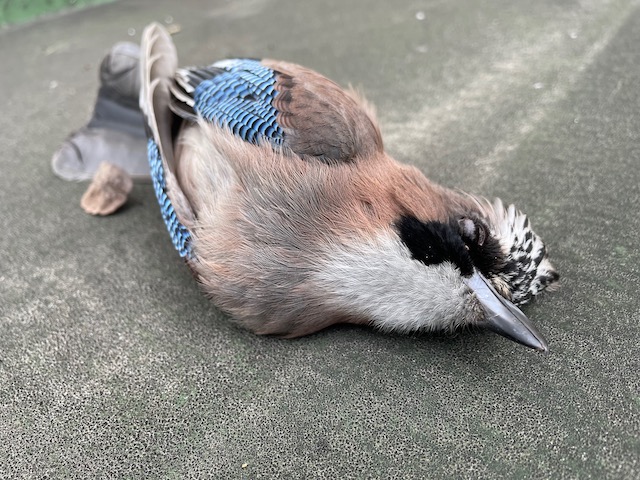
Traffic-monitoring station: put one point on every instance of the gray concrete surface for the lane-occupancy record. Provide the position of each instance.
(112, 364)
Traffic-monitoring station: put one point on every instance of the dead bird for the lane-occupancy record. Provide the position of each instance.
(276, 189)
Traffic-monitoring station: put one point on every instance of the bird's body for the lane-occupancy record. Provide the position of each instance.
(276, 188)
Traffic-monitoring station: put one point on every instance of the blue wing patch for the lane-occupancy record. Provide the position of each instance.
(240, 98)
(180, 236)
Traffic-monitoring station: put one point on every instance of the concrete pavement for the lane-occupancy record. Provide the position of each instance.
(113, 365)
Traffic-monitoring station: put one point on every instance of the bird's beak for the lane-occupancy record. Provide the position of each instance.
(503, 317)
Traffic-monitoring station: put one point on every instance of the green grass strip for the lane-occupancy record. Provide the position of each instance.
(19, 11)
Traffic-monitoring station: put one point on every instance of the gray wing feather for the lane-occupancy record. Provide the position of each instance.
(159, 62)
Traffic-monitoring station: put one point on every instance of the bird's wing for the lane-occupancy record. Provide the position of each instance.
(158, 64)
(284, 104)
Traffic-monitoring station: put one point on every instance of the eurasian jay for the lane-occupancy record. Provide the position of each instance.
(276, 189)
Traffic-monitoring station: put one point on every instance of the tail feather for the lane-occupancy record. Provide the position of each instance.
(158, 65)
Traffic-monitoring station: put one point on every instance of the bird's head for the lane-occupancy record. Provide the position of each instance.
(522, 269)
(506, 250)
(500, 261)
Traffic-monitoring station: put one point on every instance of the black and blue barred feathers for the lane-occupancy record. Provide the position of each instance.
(180, 236)
(240, 98)
(232, 93)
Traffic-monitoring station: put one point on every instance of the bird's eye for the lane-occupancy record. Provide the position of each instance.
(481, 234)
(472, 230)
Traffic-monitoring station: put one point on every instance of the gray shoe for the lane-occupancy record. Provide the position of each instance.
(116, 131)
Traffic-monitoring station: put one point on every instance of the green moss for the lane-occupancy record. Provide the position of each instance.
(19, 11)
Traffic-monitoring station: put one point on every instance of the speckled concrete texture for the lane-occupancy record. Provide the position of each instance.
(113, 365)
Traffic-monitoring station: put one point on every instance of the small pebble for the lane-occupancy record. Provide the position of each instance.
(108, 190)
